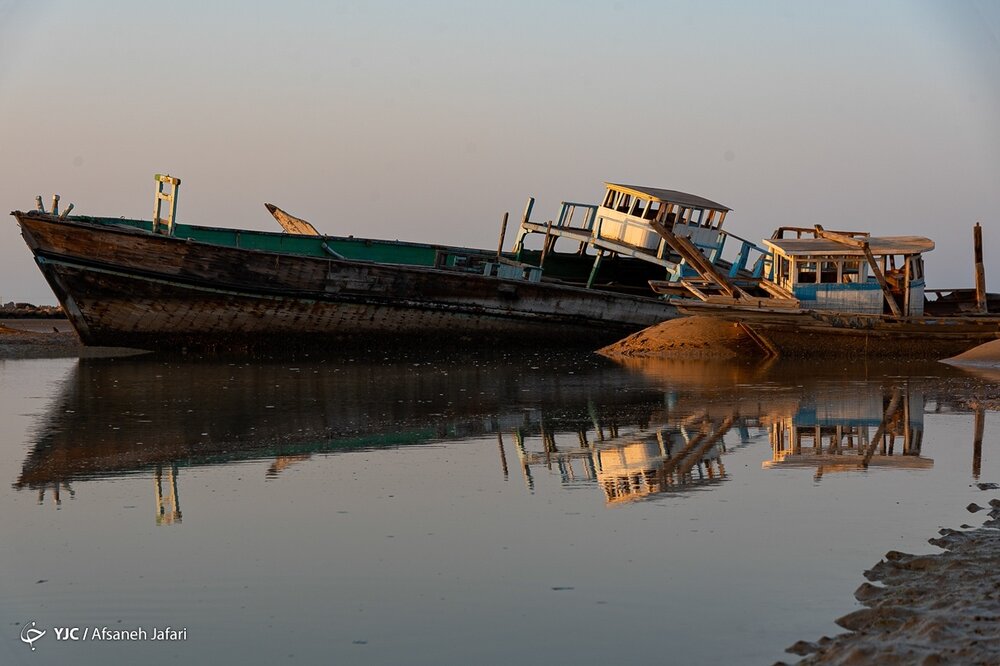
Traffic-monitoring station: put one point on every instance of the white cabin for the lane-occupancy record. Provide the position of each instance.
(827, 274)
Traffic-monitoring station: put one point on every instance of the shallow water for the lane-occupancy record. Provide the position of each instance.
(510, 510)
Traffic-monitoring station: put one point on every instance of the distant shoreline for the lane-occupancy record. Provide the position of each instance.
(13, 310)
(47, 337)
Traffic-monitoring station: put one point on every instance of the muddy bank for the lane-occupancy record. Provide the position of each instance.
(16, 343)
(925, 609)
(687, 337)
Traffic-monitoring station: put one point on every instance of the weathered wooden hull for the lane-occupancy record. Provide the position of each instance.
(125, 287)
(814, 334)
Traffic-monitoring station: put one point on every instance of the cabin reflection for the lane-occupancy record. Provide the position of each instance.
(669, 454)
(837, 430)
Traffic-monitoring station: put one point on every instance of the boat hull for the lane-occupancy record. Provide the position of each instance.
(126, 287)
(814, 334)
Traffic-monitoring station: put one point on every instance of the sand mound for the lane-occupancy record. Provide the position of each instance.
(688, 337)
(987, 354)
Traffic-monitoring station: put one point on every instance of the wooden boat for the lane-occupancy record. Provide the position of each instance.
(161, 284)
(829, 293)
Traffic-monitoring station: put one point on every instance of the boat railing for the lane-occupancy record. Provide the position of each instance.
(741, 263)
(810, 232)
(567, 212)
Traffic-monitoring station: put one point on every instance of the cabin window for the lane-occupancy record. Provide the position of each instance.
(851, 272)
(609, 201)
(640, 206)
(624, 203)
(652, 210)
(806, 272)
(828, 272)
(916, 268)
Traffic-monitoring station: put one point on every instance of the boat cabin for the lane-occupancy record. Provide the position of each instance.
(849, 272)
(626, 211)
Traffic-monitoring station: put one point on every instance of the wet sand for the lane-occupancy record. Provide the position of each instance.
(925, 609)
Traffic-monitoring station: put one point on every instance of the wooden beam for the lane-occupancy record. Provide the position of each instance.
(876, 271)
(977, 237)
(690, 252)
(503, 232)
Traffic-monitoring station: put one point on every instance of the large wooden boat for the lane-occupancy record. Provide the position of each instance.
(838, 294)
(161, 284)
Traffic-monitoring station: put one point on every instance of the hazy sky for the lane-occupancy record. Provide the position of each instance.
(427, 120)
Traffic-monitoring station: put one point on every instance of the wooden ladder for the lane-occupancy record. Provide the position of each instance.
(159, 197)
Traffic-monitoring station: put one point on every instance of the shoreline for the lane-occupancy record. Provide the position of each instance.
(941, 608)
(48, 338)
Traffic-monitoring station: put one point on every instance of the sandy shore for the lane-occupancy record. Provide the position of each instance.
(42, 338)
(925, 609)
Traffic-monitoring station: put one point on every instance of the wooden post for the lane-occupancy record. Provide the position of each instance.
(503, 232)
(527, 210)
(907, 276)
(593, 271)
(977, 237)
(546, 243)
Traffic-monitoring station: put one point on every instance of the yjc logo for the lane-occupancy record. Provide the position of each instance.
(29, 634)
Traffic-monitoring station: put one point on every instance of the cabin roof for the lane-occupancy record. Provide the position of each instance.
(671, 196)
(907, 245)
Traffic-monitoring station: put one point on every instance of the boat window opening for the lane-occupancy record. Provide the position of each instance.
(711, 219)
(685, 216)
(640, 205)
(806, 272)
(624, 203)
(916, 268)
(828, 272)
(851, 272)
(609, 200)
(652, 210)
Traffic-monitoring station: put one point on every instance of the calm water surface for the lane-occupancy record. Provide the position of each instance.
(514, 510)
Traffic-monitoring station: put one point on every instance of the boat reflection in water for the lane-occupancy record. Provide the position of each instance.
(638, 430)
(835, 430)
(117, 417)
(672, 453)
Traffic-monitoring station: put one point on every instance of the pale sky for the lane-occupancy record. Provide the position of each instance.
(425, 121)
